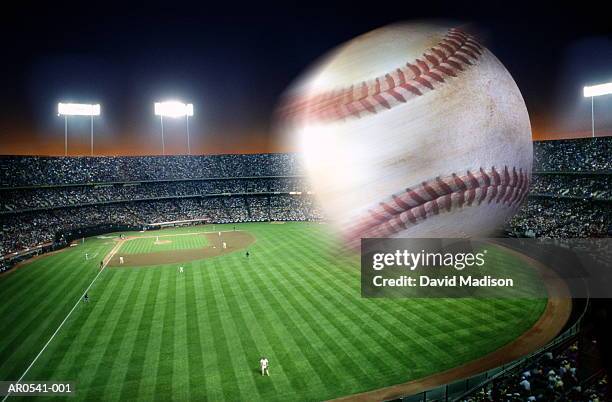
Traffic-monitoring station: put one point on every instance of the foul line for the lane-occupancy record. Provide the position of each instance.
(106, 261)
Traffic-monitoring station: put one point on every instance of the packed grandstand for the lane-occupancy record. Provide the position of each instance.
(48, 201)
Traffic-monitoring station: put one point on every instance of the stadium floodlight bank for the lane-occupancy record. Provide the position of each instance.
(174, 109)
(77, 109)
(593, 91)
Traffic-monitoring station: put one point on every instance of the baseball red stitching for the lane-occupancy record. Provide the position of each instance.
(455, 52)
(436, 196)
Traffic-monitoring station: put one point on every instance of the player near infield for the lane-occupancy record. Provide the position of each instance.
(264, 363)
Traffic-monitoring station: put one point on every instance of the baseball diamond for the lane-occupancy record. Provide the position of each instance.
(198, 333)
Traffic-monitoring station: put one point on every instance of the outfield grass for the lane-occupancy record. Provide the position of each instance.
(149, 332)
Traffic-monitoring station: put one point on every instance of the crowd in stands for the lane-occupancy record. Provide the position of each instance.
(561, 218)
(582, 155)
(551, 378)
(53, 197)
(16, 171)
(578, 155)
(594, 187)
(25, 230)
(41, 196)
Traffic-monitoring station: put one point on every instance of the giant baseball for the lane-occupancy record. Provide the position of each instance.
(412, 130)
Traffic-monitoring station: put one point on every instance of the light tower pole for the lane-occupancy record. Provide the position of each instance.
(161, 120)
(65, 135)
(77, 109)
(188, 143)
(174, 109)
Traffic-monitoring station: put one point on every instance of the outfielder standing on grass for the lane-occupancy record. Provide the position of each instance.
(264, 363)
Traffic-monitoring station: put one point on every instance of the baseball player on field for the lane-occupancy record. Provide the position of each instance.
(264, 363)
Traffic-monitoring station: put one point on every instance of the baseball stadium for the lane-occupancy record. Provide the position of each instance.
(145, 277)
(222, 202)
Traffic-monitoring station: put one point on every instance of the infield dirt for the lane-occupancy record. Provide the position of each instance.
(235, 241)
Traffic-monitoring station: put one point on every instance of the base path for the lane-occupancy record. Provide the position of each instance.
(235, 241)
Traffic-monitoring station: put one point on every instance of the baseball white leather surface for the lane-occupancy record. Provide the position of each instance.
(412, 130)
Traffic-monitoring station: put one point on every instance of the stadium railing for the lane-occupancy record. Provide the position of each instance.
(462, 389)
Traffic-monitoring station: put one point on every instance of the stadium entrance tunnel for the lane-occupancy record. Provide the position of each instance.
(235, 241)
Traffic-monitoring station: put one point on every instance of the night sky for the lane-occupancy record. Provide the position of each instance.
(233, 68)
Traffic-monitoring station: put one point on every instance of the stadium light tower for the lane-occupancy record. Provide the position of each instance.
(77, 109)
(592, 92)
(173, 109)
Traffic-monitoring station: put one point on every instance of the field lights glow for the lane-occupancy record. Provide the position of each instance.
(598, 90)
(173, 109)
(78, 109)
(592, 92)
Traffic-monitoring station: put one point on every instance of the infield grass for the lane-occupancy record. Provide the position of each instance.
(150, 333)
(144, 243)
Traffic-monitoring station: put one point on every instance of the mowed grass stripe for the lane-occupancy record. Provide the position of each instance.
(22, 343)
(129, 338)
(35, 271)
(341, 347)
(195, 352)
(153, 353)
(381, 356)
(245, 326)
(28, 278)
(69, 342)
(435, 325)
(34, 278)
(443, 323)
(252, 321)
(180, 373)
(82, 354)
(225, 368)
(286, 315)
(424, 351)
(286, 351)
(315, 327)
(130, 386)
(243, 368)
(316, 309)
(211, 359)
(361, 311)
(57, 278)
(113, 345)
(443, 320)
(437, 330)
(165, 363)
